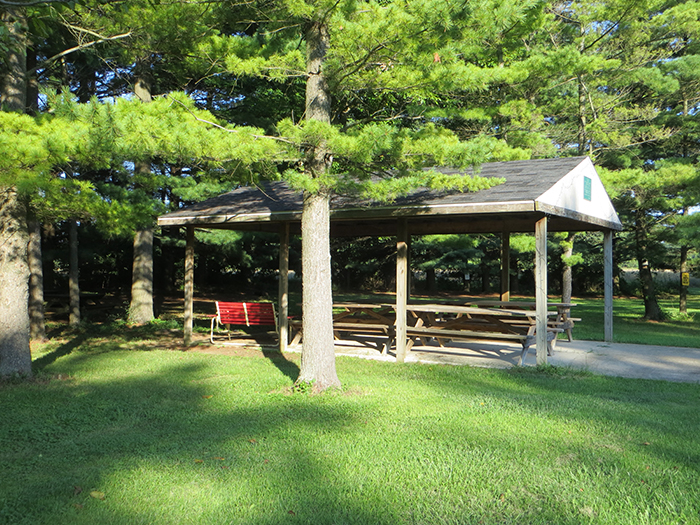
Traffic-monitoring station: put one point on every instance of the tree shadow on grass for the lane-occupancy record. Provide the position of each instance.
(284, 365)
(63, 350)
(196, 439)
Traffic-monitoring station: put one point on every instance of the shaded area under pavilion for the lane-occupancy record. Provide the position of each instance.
(538, 196)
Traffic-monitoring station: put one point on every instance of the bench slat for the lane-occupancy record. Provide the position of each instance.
(466, 334)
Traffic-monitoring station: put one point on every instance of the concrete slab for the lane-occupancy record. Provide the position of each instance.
(613, 359)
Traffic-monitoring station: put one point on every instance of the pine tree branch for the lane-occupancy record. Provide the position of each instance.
(30, 3)
(228, 130)
(79, 47)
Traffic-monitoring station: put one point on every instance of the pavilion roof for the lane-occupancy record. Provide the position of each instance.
(567, 190)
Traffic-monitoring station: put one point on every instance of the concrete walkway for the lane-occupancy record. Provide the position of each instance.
(613, 359)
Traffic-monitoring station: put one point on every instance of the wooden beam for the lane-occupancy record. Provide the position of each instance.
(283, 295)
(189, 285)
(541, 289)
(401, 289)
(505, 266)
(608, 283)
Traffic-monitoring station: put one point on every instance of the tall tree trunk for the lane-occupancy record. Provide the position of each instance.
(37, 324)
(581, 116)
(15, 354)
(14, 85)
(73, 275)
(318, 351)
(167, 266)
(683, 295)
(567, 274)
(652, 310)
(485, 274)
(32, 101)
(141, 307)
(430, 281)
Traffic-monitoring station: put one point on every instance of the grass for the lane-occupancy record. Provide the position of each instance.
(629, 327)
(116, 431)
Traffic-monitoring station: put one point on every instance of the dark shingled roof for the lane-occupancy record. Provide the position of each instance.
(511, 206)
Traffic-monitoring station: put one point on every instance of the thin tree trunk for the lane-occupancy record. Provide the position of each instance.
(37, 321)
(167, 266)
(683, 295)
(430, 281)
(567, 274)
(652, 310)
(141, 307)
(318, 351)
(15, 354)
(73, 275)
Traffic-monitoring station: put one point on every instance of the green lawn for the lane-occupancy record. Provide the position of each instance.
(137, 435)
(629, 327)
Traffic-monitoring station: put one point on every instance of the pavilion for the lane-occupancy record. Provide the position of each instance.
(537, 196)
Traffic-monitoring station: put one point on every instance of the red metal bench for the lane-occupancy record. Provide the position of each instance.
(242, 314)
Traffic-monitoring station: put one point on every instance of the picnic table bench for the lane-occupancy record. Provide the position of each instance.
(242, 314)
(445, 322)
(562, 320)
(454, 322)
(442, 323)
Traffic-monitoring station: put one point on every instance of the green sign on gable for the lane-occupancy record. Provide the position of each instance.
(587, 188)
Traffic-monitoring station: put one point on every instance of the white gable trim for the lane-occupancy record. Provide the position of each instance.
(581, 192)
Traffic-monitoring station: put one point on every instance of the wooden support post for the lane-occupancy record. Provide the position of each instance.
(608, 283)
(189, 285)
(401, 289)
(541, 289)
(505, 266)
(283, 296)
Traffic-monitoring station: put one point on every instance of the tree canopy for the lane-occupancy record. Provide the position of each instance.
(331, 94)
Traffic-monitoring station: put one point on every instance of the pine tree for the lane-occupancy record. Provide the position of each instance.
(353, 54)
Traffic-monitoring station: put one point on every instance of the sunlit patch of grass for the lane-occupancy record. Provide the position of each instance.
(125, 436)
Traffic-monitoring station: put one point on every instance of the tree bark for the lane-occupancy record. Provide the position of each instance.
(430, 280)
(73, 275)
(683, 293)
(15, 354)
(37, 320)
(485, 274)
(141, 307)
(318, 351)
(14, 85)
(652, 310)
(567, 274)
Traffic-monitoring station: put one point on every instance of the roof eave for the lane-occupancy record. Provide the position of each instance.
(581, 217)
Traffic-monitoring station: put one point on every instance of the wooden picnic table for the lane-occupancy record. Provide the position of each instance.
(442, 322)
(360, 318)
(562, 320)
(448, 322)
(366, 318)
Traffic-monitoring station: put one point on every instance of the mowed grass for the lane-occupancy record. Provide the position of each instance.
(112, 436)
(630, 327)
